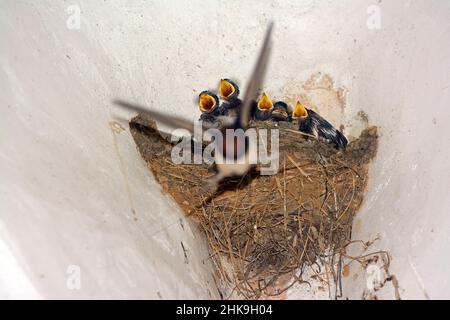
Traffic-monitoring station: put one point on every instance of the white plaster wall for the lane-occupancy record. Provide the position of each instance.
(403, 83)
(73, 191)
(69, 182)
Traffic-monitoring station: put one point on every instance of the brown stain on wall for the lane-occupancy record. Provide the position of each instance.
(319, 94)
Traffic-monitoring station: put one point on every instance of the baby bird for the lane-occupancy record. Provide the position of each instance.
(280, 112)
(263, 109)
(312, 123)
(208, 103)
(229, 91)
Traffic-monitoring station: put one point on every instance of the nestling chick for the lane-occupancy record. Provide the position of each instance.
(263, 109)
(229, 91)
(280, 112)
(208, 103)
(312, 123)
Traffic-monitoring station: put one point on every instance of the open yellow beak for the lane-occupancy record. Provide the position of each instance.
(226, 89)
(300, 112)
(207, 103)
(265, 103)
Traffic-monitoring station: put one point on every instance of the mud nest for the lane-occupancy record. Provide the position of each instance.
(263, 231)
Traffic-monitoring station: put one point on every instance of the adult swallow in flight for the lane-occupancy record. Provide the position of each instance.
(245, 151)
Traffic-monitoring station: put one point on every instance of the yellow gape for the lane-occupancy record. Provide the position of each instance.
(300, 112)
(226, 89)
(265, 103)
(207, 103)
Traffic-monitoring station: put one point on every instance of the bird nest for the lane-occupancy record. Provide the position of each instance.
(264, 231)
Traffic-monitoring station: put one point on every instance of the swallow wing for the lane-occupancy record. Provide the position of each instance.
(322, 128)
(174, 122)
(256, 79)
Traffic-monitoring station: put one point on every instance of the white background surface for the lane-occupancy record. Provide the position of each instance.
(69, 183)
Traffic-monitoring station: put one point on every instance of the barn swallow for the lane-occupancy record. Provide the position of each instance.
(280, 112)
(245, 152)
(228, 89)
(264, 107)
(312, 123)
(229, 92)
(208, 103)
